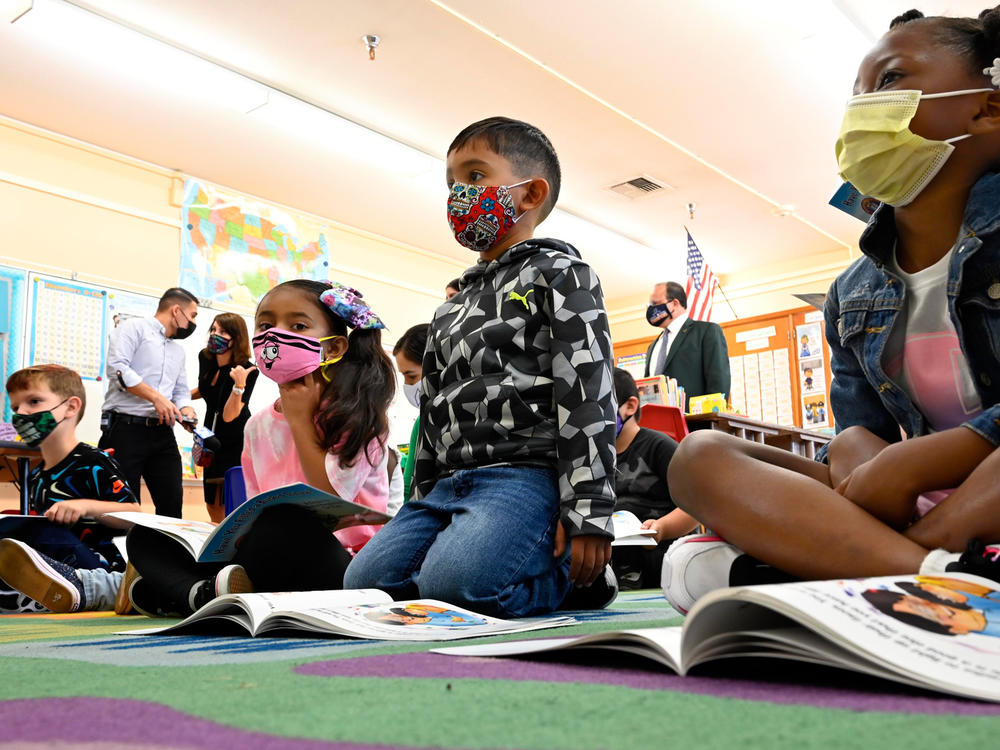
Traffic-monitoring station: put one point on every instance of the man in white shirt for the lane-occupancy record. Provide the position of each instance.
(147, 394)
(693, 352)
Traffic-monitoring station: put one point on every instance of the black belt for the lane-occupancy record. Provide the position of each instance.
(117, 416)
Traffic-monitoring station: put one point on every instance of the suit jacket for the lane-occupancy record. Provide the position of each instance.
(698, 359)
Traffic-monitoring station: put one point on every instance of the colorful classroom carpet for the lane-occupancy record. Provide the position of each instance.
(69, 681)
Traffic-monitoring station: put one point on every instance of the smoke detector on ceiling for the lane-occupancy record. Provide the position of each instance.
(639, 186)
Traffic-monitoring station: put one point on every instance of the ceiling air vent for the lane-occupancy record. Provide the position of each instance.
(639, 186)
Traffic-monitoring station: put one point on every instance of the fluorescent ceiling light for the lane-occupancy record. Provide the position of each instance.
(343, 136)
(590, 239)
(117, 51)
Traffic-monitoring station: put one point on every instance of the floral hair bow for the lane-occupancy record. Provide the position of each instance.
(348, 304)
(994, 72)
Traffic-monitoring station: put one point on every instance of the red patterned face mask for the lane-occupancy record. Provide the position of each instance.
(480, 215)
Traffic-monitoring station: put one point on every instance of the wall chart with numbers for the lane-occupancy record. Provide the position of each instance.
(69, 325)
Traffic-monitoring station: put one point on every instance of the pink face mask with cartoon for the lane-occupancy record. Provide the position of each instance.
(284, 356)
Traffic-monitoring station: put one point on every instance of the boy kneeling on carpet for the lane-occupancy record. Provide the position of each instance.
(70, 563)
(515, 461)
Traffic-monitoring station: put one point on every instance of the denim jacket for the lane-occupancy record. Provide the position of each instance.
(863, 304)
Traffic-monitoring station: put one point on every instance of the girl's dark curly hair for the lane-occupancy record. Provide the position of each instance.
(976, 39)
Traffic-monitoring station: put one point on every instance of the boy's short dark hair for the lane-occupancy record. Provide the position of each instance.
(523, 145)
(625, 388)
(62, 381)
(175, 295)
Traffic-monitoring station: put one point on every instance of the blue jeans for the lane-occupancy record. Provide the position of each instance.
(482, 539)
(99, 588)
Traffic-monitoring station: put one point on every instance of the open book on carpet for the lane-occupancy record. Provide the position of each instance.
(210, 543)
(935, 632)
(359, 613)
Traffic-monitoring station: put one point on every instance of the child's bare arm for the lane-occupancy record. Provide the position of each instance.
(299, 403)
(972, 511)
(674, 524)
(68, 512)
(887, 486)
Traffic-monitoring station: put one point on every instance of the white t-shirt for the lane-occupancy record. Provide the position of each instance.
(673, 328)
(924, 358)
(923, 355)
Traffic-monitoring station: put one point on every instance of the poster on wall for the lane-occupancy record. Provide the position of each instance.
(633, 364)
(125, 305)
(234, 249)
(812, 382)
(66, 316)
(13, 282)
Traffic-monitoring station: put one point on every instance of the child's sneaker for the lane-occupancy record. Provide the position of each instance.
(52, 583)
(979, 559)
(597, 595)
(232, 579)
(694, 565)
(699, 563)
(123, 599)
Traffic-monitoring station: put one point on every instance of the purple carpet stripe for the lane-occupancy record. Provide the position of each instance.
(106, 721)
(427, 665)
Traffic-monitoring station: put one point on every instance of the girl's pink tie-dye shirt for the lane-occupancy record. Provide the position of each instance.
(270, 460)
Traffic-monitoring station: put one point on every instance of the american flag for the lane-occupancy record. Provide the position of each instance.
(701, 284)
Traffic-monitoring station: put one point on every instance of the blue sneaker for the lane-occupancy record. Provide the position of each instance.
(49, 582)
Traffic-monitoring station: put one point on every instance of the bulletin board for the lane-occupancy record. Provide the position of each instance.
(774, 379)
(13, 283)
(780, 366)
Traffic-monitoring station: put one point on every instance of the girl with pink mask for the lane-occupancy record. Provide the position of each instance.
(321, 343)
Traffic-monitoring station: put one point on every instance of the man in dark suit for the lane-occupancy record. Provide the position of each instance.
(693, 352)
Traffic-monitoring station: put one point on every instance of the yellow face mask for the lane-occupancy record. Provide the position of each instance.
(879, 154)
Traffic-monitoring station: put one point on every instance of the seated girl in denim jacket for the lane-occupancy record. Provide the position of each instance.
(914, 329)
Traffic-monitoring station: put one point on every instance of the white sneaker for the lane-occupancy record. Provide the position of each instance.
(694, 565)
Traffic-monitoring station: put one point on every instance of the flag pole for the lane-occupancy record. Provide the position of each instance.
(726, 298)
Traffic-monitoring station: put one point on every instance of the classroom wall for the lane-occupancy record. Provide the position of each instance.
(752, 292)
(75, 210)
(69, 208)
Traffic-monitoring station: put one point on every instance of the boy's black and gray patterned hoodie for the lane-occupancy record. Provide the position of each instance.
(518, 370)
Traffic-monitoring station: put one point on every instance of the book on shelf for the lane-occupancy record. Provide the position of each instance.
(356, 613)
(217, 543)
(659, 389)
(938, 632)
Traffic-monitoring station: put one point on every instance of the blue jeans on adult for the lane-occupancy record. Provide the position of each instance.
(482, 539)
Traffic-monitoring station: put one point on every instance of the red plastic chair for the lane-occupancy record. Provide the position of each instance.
(668, 419)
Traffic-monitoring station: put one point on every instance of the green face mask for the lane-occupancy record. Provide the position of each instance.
(879, 154)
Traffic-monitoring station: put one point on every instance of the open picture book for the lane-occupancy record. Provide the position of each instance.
(629, 532)
(358, 613)
(936, 632)
(210, 543)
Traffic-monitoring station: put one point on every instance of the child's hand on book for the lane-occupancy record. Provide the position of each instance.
(67, 512)
(653, 523)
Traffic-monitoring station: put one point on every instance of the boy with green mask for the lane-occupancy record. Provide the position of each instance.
(50, 562)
